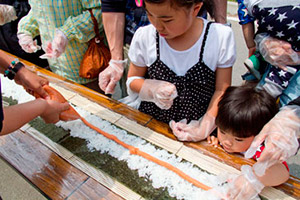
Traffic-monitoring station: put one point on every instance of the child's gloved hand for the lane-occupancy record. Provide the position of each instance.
(111, 75)
(196, 130)
(280, 136)
(278, 52)
(27, 43)
(55, 48)
(244, 186)
(7, 14)
(162, 93)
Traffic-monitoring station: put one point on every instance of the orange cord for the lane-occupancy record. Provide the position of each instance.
(136, 151)
(71, 114)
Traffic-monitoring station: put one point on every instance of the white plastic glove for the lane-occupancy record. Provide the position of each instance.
(162, 93)
(111, 75)
(7, 14)
(55, 48)
(280, 136)
(278, 52)
(245, 186)
(27, 43)
(196, 130)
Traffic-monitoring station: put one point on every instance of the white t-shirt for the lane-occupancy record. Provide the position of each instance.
(219, 51)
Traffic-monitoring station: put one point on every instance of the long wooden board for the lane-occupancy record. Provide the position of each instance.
(159, 133)
(52, 175)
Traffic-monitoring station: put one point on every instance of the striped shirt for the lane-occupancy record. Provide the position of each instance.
(73, 19)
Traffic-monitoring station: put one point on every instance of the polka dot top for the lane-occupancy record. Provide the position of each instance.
(195, 89)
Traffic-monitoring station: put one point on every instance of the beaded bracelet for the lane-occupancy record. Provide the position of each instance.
(12, 69)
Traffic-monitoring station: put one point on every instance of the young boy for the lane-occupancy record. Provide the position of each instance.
(243, 112)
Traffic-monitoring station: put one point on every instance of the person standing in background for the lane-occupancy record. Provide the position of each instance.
(8, 33)
(65, 28)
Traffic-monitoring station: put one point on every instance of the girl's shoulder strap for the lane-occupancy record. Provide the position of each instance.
(157, 45)
(204, 39)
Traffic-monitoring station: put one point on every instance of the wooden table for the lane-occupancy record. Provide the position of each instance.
(57, 178)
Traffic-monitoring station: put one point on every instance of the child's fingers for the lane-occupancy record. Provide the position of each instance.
(209, 139)
(215, 141)
(212, 140)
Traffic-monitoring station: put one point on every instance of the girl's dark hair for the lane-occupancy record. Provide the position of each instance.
(207, 4)
(244, 110)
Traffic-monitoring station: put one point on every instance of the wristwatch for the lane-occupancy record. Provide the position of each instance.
(13, 69)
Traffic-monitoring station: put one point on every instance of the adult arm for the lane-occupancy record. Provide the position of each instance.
(114, 27)
(280, 136)
(248, 185)
(220, 11)
(113, 13)
(28, 25)
(30, 81)
(114, 24)
(248, 32)
(277, 52)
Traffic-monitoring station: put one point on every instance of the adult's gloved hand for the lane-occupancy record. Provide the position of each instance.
(162, 93)
(280, 136)
(27, 43)
(111, 75)
(278, 52)
(55, 48)
(244, 186)
(7, 14)
(196, 130)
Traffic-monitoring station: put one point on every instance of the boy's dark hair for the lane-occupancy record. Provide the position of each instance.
(207, 4)
(244, 110)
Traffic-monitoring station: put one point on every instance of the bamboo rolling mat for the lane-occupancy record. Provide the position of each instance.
(213, 160)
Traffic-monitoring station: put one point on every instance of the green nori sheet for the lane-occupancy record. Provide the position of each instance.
(115, 168)
(103, 161)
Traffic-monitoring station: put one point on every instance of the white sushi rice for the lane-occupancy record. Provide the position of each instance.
(160, 176)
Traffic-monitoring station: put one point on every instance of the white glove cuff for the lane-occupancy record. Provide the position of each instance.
(128, 82)
(251, 177)
(117, 63)
(59, 32)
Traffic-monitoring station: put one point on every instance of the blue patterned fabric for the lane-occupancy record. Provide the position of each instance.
(244, 17)
(292, 92)
(280, 22)
(135, 18)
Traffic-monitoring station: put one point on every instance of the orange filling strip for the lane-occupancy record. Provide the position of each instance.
(71, 114)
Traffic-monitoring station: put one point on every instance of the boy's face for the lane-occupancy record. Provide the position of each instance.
(233, 144)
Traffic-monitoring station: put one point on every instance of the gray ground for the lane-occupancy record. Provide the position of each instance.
(14, 186)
